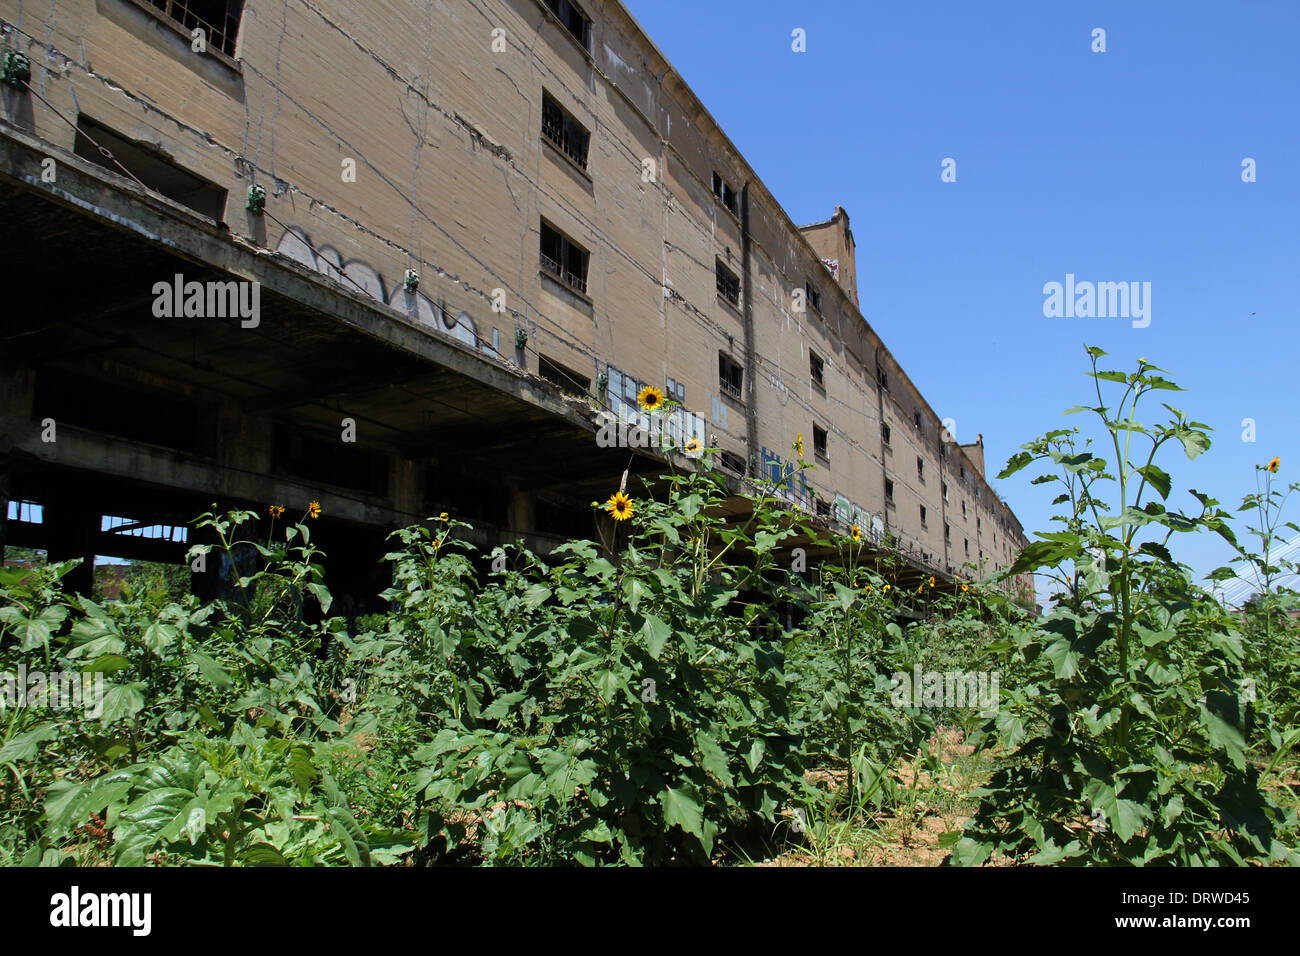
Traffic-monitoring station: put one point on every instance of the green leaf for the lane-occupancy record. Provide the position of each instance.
(503, 705)
(713, 760)
(350, 835)
(121, 701)
(212, 672)
(106, 664)
(1222, 733)
(25, 745)
(322, 595)
(1194, 442)
(682, 808)
(1015, 463)
(159, 636)
(1157, 478)
(656, 634)
(262, 854)
(755, 755)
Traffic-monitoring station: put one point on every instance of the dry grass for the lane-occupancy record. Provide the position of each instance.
(904, 831)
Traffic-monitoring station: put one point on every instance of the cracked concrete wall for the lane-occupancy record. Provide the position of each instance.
(453, 179)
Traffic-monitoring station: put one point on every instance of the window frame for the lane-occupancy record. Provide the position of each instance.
(563, 144)
(558, 12)
(561, 273)
(165, 15)
(724, 278)
(573, 383)
(821, 449)
(813, 296)
(722, 191)
(736, 391)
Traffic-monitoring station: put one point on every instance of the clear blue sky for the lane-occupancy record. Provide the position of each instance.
(1117, 166)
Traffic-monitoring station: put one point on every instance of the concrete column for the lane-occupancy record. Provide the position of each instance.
(4, 511)
(70, 533)
(243, 441)
(406, 485)
(521, 515)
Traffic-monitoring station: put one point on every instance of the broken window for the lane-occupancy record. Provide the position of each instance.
(923, 514)
(823, 508)
(814, 297)
(916, 417)
(728, 284)
(920, 469)
(574, 20)
(151, 167)
(947, 532)
(726, 195)
(884, 433)
(730, 376)
(882, 378)
(566, 133)
(218, 19)
(889, 491)
(563, 258)
(817, 368)
(566, 380)
(819, 442)
(732, 462)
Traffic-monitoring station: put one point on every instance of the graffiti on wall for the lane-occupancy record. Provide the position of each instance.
(355, 274)
(679, 425)
(784, 474)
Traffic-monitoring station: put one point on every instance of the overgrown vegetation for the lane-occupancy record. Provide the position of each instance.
(672, 693)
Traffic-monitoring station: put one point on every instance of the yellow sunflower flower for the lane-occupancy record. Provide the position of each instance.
(1273, 465)
(932, 580)
(856, 533)
(798, 444)
(965, 587)
(443, 516)
(313, 509)
(277, 510)
(620, 506)
(694, 446)
(650, 398)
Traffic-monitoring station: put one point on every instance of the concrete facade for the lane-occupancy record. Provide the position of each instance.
(447, 138)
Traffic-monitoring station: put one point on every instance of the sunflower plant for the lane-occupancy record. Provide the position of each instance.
(1128, 728)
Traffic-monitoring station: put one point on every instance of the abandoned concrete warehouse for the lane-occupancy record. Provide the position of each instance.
(396, 258)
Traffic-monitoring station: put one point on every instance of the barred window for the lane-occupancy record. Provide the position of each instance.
(563, 258)
(218, 19)
(574, 20)
(564, 132)
(728, 284)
